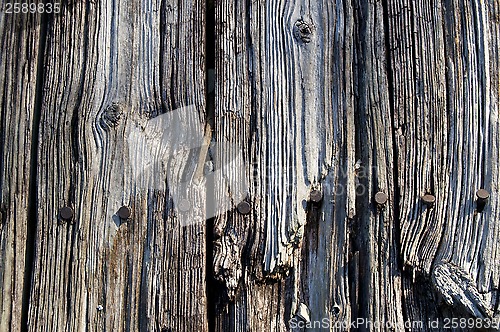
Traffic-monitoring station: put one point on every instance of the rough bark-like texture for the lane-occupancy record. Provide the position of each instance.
(426, 87)
(377, 230)
(284, 94)
(111, 69)
(20, 43)
(346, 97)
(446, 87)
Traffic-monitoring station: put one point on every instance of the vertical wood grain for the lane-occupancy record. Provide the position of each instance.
(446, 87)
(377, 238)
(112, 68)
(346, 97)
(19, 61)
(471, 239)
(284, 94)
(416, 38)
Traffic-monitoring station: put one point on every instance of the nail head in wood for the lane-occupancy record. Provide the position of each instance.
(124, 212)
(482, 195)
(316, 196)
(244, 208)
(381, 198)
(66, 213)
(482, 198)
(429, 200)
(184, 205)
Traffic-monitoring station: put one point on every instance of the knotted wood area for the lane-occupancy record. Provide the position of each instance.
(329, 165)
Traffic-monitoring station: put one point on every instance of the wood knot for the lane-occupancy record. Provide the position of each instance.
(336, 310)
(303, 31)
(111, 116)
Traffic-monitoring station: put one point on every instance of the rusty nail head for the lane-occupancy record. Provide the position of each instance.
(184, 205)
(124, 212)
(482, 198)
(482, 195)
(381, 198)
(429, 200)
(66, 213)
(244, 207)
(316, 196)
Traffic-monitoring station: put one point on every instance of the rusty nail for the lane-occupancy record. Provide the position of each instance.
(66, 213)
(429, 200)
(381, 198)
(244, 208)
(124, 212)
(482, 195)
(184, 205)
(482, 198)
(316, 196)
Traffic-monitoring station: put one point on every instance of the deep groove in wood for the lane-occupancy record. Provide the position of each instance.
(396, 190)
(359, 269)
(211, 284)
(31, 225)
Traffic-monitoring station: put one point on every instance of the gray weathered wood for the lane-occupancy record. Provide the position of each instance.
(423, 75)
(346, 97)
(284, 94)
(111, 68)
(446, 87)
(380, 297)
(19, 60)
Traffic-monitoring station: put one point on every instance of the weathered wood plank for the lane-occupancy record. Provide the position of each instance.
(416, 38)
(348, 98)
(446, 87)
(470, 239)
(445, 73)
(418, 67)
(284, 95)
(380, 300)
(19, 61)
(113, 70)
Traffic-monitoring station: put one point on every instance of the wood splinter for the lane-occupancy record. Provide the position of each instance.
(458, 290)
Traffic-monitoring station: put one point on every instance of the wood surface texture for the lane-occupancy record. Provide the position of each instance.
(19, 104)
(284, 92)
(286, 99)
(108, 67)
